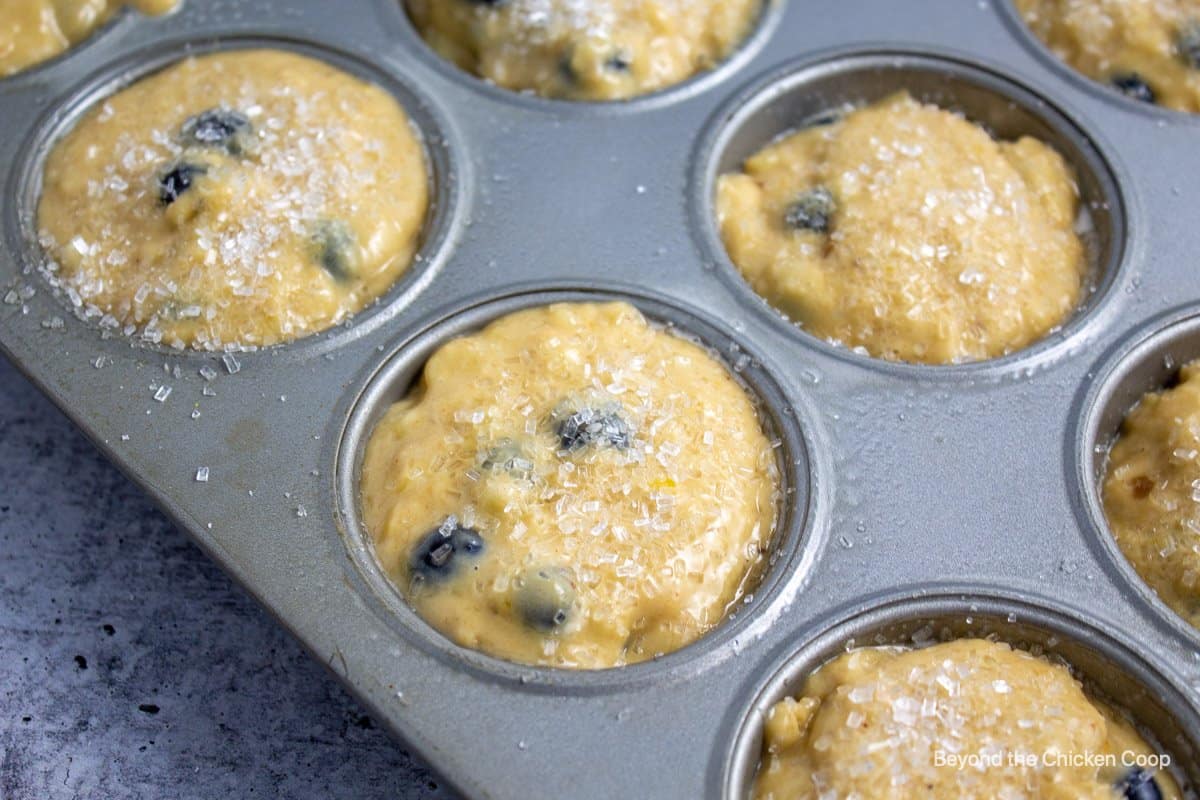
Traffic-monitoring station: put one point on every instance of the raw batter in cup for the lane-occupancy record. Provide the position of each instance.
(585, 49)
(1146, 49)
(872, 723)
(238, 199)
(907, 232)
(1152, 492)
(32, 31)
(572, 486)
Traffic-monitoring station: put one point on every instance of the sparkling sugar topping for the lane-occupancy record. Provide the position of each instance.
(233, 200)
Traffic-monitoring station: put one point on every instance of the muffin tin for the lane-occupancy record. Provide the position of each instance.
(921, 501)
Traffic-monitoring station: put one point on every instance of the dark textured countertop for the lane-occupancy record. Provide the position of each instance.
(130, 666)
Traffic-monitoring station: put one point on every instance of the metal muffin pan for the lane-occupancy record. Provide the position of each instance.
(915, 494)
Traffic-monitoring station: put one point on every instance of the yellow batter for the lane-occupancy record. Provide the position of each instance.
(572, 487)
(234, 200)
(965, 720)
(585, 49)
(32, 31)
(907, 232)
(1152, 492)
(1148, 49)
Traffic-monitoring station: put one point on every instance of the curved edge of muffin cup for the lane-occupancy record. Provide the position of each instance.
(791, 96)
(1109, 668)
(745, 51)
(122, 17)
(1144, 361)
(795, 546)
(448, 179)
(1098, 89)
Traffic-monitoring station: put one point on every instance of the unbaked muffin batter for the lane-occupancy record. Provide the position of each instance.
(1146, 49)
(1152, 492)
(907, 232)
(234, 200)
(32, 31)
(871, 724)
(572, 486)
(585, 49)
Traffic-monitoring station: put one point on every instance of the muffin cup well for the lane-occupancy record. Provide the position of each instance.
(796, 95)
(1109, 669)
(791, 551)
(1148, 360)
(438, 141)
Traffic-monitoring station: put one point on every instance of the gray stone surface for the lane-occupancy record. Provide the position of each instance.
(130, 666)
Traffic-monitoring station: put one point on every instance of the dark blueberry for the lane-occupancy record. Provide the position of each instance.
(1187, 42)
(1132, 85)
(436, 556)
(508, 456)
(812, 211)
(566, 70)
(1138, 784)
(336, 250)
(545, 596)
(578, 428)
(219, 127)
(619, 61)
(468, 542)
(178, 180)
